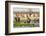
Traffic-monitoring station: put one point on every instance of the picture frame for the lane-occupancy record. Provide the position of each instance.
(22, 11)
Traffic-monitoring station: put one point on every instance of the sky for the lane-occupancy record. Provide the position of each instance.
(26, 9)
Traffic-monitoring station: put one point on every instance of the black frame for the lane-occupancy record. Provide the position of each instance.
(6, 17)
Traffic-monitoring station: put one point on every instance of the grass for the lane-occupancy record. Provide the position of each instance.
(20, 24)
